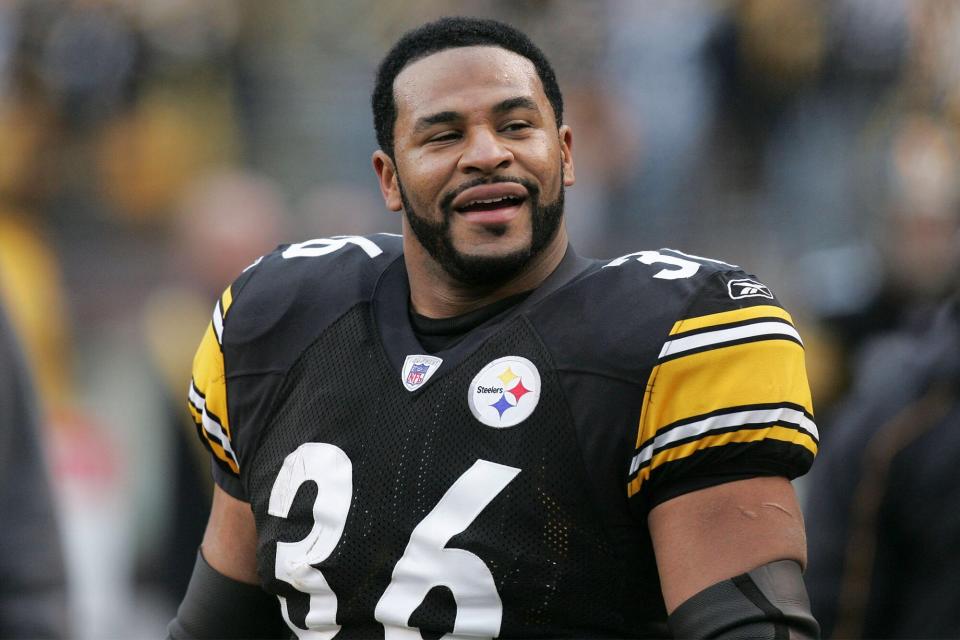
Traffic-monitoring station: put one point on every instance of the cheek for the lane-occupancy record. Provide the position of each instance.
(423, 179)
(546, 163)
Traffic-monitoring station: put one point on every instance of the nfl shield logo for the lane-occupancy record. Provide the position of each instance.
(417, 372)
(418, 369)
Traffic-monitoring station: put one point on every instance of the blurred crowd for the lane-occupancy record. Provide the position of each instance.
(154, 148)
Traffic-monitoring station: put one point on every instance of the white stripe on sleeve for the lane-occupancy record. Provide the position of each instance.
(210, 425)
(720, 336)
(714, 423)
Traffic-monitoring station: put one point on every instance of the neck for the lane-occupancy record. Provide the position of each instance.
(433, 293)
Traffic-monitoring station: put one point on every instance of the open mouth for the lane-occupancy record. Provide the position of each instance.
(490, 204)
(496, 203)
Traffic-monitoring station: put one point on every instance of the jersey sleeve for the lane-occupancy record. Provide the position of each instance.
(728, 397)
(207, 401)
(261, 325)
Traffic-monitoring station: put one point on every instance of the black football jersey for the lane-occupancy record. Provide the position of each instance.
(500, 487)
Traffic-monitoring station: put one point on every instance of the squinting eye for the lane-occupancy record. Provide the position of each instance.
(445, 137)
(516, 126)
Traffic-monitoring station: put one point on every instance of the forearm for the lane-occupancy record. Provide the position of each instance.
(768, 602)
(216, 606)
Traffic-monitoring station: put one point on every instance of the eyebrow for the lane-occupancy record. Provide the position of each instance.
(446, 117)
(442, 117)
(520, 102)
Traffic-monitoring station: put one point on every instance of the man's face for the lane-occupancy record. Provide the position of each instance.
(479, 163)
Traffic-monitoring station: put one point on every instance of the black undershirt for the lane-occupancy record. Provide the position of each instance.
(437, 334)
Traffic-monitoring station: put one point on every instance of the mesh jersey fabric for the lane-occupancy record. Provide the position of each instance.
(540, 536)
(660, 373)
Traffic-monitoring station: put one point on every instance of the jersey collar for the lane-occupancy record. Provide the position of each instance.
(391, 314)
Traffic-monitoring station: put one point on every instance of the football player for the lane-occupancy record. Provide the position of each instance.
(471, 430)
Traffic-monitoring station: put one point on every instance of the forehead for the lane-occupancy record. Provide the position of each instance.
(462, 78)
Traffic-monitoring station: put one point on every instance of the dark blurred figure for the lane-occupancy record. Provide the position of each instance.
(895, 277)
(882, 518)
(32, 586)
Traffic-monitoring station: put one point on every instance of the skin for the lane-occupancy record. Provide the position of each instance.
(478, 139)
(699, 538)
(706, 536)
(230, 540)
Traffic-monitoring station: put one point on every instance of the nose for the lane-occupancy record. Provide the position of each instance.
(484, 152)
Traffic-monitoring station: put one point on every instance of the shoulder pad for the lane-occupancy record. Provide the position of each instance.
(632, 302)
(727, 395)
(715, 357)
(266, 318)
(286, 298)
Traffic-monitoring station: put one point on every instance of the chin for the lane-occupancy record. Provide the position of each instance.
(493, 250)
(492, 239)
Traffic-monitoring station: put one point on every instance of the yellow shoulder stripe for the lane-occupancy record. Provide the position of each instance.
(726, 317)
(208, 392)
(226, 300)
(735, 376)
(751, 373)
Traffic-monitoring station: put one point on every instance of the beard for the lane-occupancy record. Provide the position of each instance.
(485, 271)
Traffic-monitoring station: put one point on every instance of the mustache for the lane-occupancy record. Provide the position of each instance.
(449, 197)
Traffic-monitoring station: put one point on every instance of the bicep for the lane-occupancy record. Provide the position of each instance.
(713, 534)
(230, 540)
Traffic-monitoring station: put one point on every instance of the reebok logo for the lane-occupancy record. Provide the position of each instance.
(746, 288)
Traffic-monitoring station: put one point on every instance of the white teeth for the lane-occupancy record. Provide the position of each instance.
(490, 201)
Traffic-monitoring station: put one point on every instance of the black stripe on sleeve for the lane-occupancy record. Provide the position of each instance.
(729, 325)
(731, 343)
(752, 592)
(765, 406)
(744, 427)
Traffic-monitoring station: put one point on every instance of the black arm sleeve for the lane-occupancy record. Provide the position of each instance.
(216, 606)
(769, 602)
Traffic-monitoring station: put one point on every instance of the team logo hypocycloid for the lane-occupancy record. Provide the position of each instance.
(505, 392)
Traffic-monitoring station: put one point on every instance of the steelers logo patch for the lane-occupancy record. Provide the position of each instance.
(505, 392)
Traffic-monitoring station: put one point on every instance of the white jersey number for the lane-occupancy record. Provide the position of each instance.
(426, 562)
(322, 246)
(681, 268)
(331, 469)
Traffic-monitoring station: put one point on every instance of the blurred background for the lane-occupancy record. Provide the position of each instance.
(151, 149)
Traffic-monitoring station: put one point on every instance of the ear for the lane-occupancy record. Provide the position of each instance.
(387, 177)
(566, 155)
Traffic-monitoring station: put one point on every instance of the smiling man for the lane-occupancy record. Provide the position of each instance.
(471, 430)
(478, 165)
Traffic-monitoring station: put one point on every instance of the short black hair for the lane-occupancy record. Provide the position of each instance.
(452, 33)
